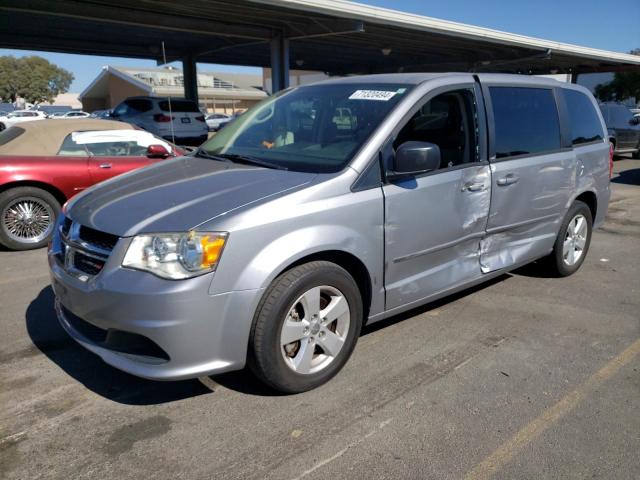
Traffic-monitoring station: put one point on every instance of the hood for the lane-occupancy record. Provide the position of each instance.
(177, 195)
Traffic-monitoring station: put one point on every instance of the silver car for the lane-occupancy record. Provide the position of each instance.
(321, 209)
(216, 121)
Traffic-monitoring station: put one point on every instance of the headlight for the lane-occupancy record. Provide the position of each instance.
(176, 255)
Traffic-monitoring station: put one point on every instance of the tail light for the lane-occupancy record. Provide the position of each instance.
(610, 160)
(161, 117)
(200, 118)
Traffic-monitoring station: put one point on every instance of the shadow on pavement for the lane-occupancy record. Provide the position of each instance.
(535, 269)
(628, 177)
(367, 329)
(244, 381)
(88, 369)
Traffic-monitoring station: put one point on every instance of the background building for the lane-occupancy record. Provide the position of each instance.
(217, 92)
(296, 77)
(70, 100)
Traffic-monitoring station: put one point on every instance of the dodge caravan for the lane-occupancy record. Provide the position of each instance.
(323, 208)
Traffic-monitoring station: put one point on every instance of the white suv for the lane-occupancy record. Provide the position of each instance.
(179, 120)
(73, 114)
(19, 116)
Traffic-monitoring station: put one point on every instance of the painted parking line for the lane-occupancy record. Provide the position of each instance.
(503, 455)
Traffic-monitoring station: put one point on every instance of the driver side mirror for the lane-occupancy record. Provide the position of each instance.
(157, 151)
(415, 158)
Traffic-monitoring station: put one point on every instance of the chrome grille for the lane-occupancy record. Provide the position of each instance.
(86, 264)
(102, 240)
(85, 251)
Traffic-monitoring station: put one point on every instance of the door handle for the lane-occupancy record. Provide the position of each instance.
(509, 179)
(473, 186)
(105, 165)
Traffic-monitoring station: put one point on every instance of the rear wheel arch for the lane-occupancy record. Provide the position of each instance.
(57, 194)
(555, 262)
(591, 200)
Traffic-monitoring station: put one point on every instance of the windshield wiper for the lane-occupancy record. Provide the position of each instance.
(234, 157)
(203, 154)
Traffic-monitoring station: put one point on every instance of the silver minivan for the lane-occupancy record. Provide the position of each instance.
(324, 208)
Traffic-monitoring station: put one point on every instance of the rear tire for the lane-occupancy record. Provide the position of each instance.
(306, 327)
(28, 217)
(572, 243)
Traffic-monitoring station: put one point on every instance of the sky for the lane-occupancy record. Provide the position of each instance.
(612, 25)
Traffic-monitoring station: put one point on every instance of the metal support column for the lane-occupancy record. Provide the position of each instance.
(279, 63)
(190, 76)
(574, 76)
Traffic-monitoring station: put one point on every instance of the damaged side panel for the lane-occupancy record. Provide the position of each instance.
(503, 249)
(528, 202)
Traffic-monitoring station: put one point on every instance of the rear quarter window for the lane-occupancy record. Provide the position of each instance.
(179, 106)
(139, 105)
(585, 124)
(70, 148)
(526, 121)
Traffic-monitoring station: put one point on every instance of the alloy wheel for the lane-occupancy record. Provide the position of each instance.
(575, 240)
(315, 329)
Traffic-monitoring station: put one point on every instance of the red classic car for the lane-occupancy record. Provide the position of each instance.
(44, 163)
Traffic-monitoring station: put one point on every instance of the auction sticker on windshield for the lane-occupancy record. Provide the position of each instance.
(378, 95)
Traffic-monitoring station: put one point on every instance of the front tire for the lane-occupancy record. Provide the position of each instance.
(306, 327)
(572, 243)
(27, 217)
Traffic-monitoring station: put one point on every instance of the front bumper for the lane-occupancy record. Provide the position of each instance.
(201, 334)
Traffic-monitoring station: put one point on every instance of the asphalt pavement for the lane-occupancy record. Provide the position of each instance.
(524, 377)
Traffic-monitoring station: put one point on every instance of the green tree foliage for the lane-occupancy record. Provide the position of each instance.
(32, 78)
(624, 85)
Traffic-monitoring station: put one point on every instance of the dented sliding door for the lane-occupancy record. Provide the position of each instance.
(433, 227)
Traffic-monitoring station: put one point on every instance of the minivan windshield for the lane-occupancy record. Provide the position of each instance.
(316, 128)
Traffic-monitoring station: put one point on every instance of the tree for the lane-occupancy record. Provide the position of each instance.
(32, 78)
(624, 85)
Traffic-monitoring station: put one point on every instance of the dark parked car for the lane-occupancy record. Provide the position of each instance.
(43, 164)
(101, 114)
(624, 128)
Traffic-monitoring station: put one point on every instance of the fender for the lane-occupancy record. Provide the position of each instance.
(352, 223)
(287, 250)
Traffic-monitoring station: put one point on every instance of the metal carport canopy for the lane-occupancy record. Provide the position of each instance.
(333, 36)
